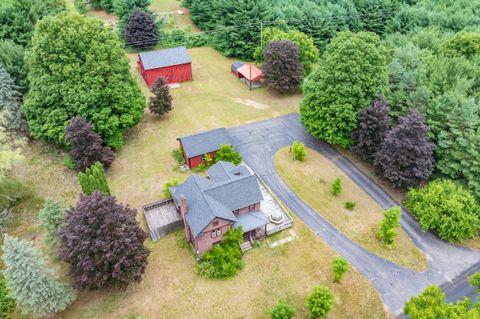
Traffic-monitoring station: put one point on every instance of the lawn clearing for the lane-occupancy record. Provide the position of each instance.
(312, 180)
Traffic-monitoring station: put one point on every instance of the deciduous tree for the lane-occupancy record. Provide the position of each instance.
(140, 30)
(86, 146)
(161, 101)
(103, 243)
(320, 302)
(466, 44)
(390, 221)
(406, 156)
(31, 282)
(340, 267)
(282, 69)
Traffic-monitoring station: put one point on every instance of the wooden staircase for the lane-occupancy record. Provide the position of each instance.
(245, 246)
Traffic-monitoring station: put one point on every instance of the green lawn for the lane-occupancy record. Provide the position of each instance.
(312, 180)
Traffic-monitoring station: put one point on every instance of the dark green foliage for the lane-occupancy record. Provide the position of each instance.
(161, 101)
(104, 234)
(282, 69)
(390, 221)
(7, 304)
(51, 217)
(140, 30)
(10, 102)
(77, 67)
(406, 156)
(373, 125)
(446, 208)
(123, 8)
(375, 14)
(337, 186)
(185, 36)
(320, 302)
(81, 6)
(166, 188)
(340, 267)
(227, 153)
(12, 58)
(225, 259)
(299, 151)
(177, 154)
(86, 146)
(203, 13)
(282, 310)
(350, 205)
(94, 179)
(352, 73)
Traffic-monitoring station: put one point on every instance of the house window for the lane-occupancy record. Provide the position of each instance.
(251, 208)
(216, 232)
(219, 232)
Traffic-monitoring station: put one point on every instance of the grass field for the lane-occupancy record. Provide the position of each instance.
(312, 180)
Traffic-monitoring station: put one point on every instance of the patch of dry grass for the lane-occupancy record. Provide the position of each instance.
(312, 180)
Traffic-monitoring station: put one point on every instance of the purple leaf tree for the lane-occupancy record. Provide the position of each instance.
(282, 68)
(140, 30)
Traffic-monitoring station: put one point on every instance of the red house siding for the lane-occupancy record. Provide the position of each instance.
(205, 241)
(172, 74)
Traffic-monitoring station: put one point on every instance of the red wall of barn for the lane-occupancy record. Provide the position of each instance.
(173, 74)
(197, 160)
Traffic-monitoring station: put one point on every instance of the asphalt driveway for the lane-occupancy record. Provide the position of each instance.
(448, 264)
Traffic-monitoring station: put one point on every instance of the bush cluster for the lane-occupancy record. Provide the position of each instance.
(299, 151)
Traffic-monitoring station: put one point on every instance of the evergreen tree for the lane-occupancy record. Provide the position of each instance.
(122, 8)
(10, 102)
(161, 101)
(373, 125)
(51, 217)
(31, 281)
(7, 304)
(103, 243)
(12, 57)
(140, 30)
(406, 156)
(86, 145)
(282, 68)
(93, 179)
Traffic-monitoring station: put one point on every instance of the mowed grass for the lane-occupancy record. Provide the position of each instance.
(312, 180)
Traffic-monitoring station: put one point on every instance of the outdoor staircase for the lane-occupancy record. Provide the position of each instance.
(245, 246)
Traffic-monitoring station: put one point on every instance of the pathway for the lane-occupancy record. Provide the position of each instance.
(448, 264)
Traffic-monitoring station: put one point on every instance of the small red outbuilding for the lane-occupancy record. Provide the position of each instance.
(174, 65)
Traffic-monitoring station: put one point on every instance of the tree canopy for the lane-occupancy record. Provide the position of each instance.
(10, 102)
(282, 69)
(140, 30)
(77, 67)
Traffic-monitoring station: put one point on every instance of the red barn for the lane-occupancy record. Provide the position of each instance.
(174, 65)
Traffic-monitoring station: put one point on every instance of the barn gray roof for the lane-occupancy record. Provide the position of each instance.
(164, 58)
(206, 142)
(228, 188)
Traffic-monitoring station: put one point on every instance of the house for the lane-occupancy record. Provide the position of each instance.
(174, 65)
(194, 147)
(229, 197)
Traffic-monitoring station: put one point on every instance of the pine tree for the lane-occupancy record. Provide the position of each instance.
(94, 179)
(282, 68)
(161, 102)
(31, 281)
(406, 156)
(140, 30)
(373, 125)
(10, 102)
(86, 145)
(51, 217)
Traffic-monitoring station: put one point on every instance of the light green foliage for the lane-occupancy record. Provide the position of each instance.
(94, 179)
(10, 150)
(350, 205)
(7, 304)
(177, 154)
(207, 160)
(337, 186)
(299, 151)
(68, 162)
(78, 68)
(474, 281)
(51, 217)
(282, 310)
(166, 188)
(228, 154)
(81, 6)
(431, 304)
(340, 267)
(320, 302)
(352, 73)
(122, 8)
(447, 208)
(390, 221)
(308, 52)
(31, 282)
(466, 44)
(12, 58)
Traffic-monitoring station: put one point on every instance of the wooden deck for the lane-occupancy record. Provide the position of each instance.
(162, 218)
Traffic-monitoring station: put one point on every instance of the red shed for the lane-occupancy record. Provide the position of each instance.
(175, 65)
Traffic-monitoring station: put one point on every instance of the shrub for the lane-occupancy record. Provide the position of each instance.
(166, 188)
(7, 304)
(337, 186)
(299, 151)
(225, 259)
(177, 154)
(446, 208)
(94, 179)
(282, 310)
(474, 281)
(391, 220)
(86, 146)
(105, 235)
(228, 154)
(340, 266)
(51, 217)
(161, 101)
(320, 302)
(207, 160)
(282, 68)
(68, 162)
(350, 205)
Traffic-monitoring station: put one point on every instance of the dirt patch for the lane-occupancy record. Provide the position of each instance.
(251, 103)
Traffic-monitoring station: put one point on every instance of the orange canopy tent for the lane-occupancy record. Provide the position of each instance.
(250, 72)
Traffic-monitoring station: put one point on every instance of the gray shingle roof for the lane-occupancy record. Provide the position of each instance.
(251, 221)
(206, 142)
(163, 58)
(229, 188)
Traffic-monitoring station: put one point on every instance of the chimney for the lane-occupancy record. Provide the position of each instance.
(183, 206)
